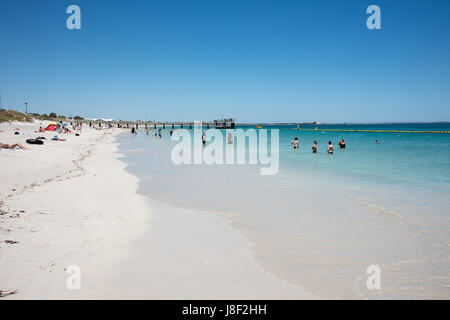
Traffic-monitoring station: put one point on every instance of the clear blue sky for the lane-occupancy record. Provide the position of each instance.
(255, 60)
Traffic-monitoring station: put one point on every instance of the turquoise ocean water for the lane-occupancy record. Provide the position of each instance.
(323, 219)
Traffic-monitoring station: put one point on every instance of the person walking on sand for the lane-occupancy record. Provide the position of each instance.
(330, 148)
(314, 147)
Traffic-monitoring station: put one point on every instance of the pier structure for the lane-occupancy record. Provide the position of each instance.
(217, 124)
(159, 124)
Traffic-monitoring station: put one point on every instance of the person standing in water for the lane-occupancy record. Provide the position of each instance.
(342, 144)
(230, 138)
(330, 148)
(204, 138)
(314, 147)
(295, 143)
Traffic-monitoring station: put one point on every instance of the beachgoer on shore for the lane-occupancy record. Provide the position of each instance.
(56, 138)
(11, 146)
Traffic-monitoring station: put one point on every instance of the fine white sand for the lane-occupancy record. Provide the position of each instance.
(72, 203)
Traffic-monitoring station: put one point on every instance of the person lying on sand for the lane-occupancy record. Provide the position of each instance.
(55, 138)
(11, 146)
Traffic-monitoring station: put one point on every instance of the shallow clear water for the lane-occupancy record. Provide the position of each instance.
(323, 219)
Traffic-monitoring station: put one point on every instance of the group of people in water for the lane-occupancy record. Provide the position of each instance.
(157, 134)
(230, 138)
(330, 149)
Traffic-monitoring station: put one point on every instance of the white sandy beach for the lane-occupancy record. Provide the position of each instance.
(72, 203)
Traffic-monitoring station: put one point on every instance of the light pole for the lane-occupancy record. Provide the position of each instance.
(26, 107)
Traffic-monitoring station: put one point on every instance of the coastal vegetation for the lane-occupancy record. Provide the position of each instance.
(12, 115)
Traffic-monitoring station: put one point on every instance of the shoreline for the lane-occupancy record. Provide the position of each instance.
(61, 214)
(316, 230)
(66, 217)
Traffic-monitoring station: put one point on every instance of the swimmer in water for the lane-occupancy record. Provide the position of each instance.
(377, 142)
(330, 148)
(295, 143)
(342, 144)
(314, 147)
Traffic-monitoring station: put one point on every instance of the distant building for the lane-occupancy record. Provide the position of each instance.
(101, 119)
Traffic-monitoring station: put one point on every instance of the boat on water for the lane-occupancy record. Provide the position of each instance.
(225, 124)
